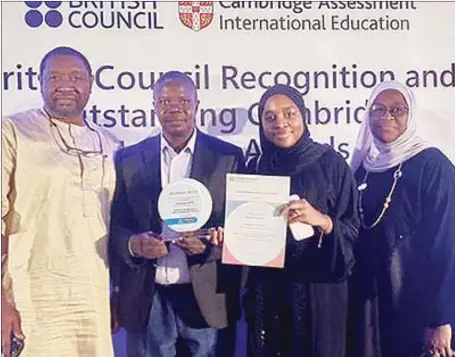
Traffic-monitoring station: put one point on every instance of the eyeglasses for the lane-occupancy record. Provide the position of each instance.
(63, 145)
(379, 111)
(72, 150)
(89, 154)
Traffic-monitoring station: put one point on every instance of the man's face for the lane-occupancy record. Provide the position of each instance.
(175, 105)
(65, 86)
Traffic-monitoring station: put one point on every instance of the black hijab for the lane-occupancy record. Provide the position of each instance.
(287, 161)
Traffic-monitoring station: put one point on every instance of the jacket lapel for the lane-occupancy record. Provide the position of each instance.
(204, 160)
(151, 174)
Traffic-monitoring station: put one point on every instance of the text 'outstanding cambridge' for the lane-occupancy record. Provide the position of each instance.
(228, 120)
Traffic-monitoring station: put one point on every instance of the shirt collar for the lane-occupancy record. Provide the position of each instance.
(188, 148)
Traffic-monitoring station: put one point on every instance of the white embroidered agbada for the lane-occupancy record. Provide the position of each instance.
(55, 209)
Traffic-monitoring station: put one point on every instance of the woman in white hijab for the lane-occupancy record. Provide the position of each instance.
(402, 291)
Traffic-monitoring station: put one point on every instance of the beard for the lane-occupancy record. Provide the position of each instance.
(64, 109)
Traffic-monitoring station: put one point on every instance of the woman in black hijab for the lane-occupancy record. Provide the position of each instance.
(300, 310)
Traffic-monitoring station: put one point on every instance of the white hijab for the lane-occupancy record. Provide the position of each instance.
(377, 156)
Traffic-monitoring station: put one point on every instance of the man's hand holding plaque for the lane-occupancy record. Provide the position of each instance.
(148, 245)
(196, 242)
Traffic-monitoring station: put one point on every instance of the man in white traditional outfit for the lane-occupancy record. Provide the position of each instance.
(57, 181)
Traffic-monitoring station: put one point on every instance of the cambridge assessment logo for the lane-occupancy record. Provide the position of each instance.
(196, 15)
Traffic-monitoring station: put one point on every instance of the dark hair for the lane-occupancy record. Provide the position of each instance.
(66, 51)
(174, 76)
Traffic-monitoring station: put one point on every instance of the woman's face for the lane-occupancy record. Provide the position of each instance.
(389, 116)
(282, 121)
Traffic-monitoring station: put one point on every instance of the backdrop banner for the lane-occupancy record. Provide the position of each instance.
(333, 52)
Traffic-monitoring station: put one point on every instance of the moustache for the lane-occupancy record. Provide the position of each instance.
(174, 113)
(66, 93)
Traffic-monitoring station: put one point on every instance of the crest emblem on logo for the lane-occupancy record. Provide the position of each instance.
(196, 15)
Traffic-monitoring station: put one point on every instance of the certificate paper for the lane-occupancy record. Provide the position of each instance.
(255, 233)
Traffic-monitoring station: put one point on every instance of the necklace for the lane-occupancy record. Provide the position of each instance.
(396, 176)
(66, 148)
(77, 152)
